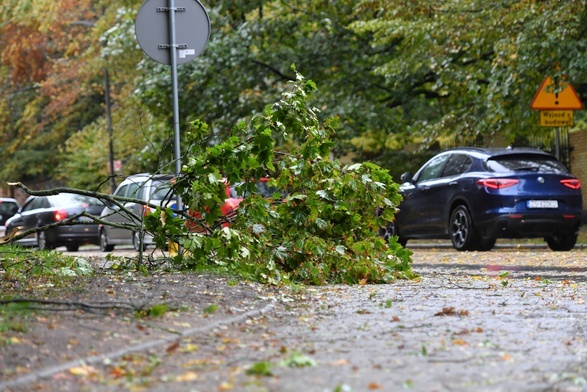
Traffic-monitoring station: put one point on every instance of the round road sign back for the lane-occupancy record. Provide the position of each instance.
(192, 29)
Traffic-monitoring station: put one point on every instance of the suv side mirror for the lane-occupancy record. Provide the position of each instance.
(406, 177)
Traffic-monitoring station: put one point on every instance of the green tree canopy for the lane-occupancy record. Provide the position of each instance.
(475, 65)
(391, 71)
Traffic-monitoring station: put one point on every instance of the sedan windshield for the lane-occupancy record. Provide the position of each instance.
(8, 208)
(521, 163)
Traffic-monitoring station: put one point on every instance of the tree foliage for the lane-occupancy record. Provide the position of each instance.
(45, 99)
(319, 231)
(392, 72)
(476, 65)
(52, 84)
(320, 225)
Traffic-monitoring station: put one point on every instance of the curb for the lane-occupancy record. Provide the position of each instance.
(432, 245)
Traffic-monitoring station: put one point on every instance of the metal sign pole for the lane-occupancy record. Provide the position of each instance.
(158, 33)
(109, 122)
(173, 54)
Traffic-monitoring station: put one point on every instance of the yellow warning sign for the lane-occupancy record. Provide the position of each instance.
(557, 118)
(547, 99)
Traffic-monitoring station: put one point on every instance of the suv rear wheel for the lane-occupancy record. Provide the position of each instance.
(390, 230)
(484, 244)
(562, 242)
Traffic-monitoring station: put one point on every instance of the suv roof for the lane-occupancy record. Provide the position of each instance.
(500, 151)
(496, 152)
(149, 176)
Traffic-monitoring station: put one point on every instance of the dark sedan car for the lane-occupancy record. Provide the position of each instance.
(474, 196)
(8, 208)
(38, 211)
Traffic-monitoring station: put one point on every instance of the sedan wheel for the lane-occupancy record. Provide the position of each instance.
(104, 245)
(42, 242)
(562, 242)
(137, 241)
(461, 229)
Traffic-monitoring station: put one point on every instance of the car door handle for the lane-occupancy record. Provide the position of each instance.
(453, 183)
(426, 188)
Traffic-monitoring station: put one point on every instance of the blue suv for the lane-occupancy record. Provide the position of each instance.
(474, 196)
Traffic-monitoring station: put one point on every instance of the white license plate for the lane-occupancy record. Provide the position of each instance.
(542, 204)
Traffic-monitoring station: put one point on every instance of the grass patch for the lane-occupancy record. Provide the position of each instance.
(17, 263)
(13, 318)
(30, 273)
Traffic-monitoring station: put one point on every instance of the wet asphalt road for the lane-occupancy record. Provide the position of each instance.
(514, 319)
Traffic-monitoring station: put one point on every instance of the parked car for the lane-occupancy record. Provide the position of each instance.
(154, 189)
(149, 188)
(474, 196)
(8, 207)
(38, 211)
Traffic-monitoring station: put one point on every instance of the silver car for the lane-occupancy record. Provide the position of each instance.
(147, 188)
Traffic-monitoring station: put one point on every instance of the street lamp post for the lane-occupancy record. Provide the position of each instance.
(109, 122)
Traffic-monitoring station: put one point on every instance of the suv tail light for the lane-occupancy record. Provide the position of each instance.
(60, 215)
(571, 183)
(497, 183)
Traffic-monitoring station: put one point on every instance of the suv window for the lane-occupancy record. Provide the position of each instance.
(140, 193)
(457, 164)
(517, 163)
(433, 168)
(71, 199)
(7, 207)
